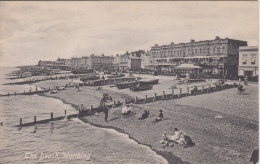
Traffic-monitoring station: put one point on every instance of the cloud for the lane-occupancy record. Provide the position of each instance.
(32, 31)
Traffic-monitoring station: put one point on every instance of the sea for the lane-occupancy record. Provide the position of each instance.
(67, 141)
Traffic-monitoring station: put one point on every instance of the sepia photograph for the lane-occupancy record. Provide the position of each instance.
(129, 82)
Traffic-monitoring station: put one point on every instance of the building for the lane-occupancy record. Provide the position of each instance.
(248, 61)
(84, 62)
(218, 56)
(52, 65)
(100, 62)
(68, 62)
(134, 63)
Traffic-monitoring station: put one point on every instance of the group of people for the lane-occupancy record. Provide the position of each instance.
(127, 109)
(179, 137)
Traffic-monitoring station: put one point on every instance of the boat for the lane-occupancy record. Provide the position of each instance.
(116, 75)
(149, 82)
(60, 88)
(125, 84)
(53, 91)
(141, 87)
(96, 82)
(86, 78)
(82, 71)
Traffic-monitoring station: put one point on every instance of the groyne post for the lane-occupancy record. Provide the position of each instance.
(202, 88)
(21, 121)
(114, 103)
(135, 99)
(65, 112)
(163, 95)
(188, 90)
(145, 98)
(8, 94)
(155, 95)
(172, 93)
(15, 93)
(91, 108)
(180, 93)
(1, 123)
(35, 119)
(79, 112)
(51, 116)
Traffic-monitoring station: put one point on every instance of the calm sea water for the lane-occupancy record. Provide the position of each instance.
(67, 141)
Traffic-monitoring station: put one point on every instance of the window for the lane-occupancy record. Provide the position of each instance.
(218, 50)
(244, 60)
(223, 49)
(253, 56)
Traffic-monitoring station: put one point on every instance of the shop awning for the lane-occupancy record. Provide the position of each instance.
(187, 66)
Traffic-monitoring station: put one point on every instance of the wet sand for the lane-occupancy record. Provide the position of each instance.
(230, 139)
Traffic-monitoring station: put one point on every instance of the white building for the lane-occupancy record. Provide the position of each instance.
(248, 61)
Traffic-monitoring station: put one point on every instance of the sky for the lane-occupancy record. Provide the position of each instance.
(44, 30)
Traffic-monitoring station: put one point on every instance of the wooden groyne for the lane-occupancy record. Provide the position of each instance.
(30, 81)
(176, 94)
(24, 93)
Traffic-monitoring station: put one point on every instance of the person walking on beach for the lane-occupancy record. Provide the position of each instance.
(255, 156)
(106, 112)
(103, 106)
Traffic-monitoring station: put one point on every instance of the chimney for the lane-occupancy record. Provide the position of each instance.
(156, 45)
(172, 43)
(217, 38)
(192, 40)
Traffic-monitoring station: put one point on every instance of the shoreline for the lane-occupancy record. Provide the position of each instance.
(194, 114)
(168, 156)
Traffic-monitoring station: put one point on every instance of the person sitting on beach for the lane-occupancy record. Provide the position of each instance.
(178, 137)
(124, 109)
(160, 117)
(130, 108)
(165, 140)
(145, 115)
(181, 138)
(77, 88)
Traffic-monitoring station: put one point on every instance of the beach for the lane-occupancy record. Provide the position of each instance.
(229, 138)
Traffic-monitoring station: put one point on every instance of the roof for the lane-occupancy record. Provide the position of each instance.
(135, 58)
(187, 66)
(248, 48)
